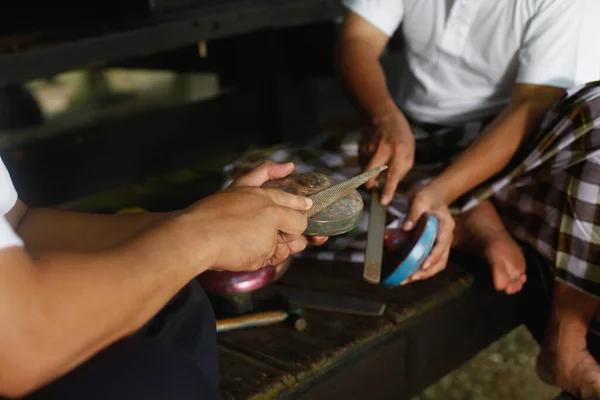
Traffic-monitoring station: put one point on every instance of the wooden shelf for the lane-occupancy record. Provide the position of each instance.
(39, 54)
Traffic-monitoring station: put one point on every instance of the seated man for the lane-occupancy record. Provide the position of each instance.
(516, 71)
(85, 299)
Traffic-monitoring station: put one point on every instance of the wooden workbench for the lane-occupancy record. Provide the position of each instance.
(430, 327)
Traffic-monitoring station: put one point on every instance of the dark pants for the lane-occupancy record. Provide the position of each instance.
(173, 357)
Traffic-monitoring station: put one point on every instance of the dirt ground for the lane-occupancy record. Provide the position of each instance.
(503, 371)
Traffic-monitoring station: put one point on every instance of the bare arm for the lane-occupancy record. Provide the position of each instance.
(60, 309)
(499, 142)
(44, 229)
(359, 48)
(487, 156)
(391, 141)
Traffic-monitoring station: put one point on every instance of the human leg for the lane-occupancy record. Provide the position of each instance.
(174, 356)
(565, 360)
(553, 205)
(480, 232)
(188, 322)
(133, 368)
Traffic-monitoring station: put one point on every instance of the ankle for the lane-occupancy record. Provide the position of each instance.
(564, 339)
(562, 350)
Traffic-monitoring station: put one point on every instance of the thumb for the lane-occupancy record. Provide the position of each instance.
(414, 214)
(288, 200)
(381, 157)
(265, 172)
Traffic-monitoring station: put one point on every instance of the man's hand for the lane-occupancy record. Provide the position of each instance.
(251, 227)
(428, 200)
(265, 172)
(391, 142)
(245, 226)
(269, 171)
(359, 49)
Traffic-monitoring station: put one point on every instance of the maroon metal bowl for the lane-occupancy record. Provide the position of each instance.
(223, 283)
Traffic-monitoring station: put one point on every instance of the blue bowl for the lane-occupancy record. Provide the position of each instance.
(414, 252)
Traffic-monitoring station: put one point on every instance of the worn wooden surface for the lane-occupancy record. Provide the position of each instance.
(298, 360)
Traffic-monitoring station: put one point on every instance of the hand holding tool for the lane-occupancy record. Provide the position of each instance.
(337, 207)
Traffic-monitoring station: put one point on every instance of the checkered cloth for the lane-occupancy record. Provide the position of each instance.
(336, 157)
(549, 199)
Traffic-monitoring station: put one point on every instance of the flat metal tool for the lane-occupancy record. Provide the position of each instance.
(375, 235)
(308, 298)
(326, 197)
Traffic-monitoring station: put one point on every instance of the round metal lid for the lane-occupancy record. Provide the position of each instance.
(339, 218)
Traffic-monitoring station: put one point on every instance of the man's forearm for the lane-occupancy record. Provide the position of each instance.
(364, 78)
(45, 230)
(493, 150)
(82, 310)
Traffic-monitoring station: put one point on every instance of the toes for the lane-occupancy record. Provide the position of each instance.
(500, 278)
(508, 275)
(514, 287)
(501, 285)
(584, 378)
(503, 282)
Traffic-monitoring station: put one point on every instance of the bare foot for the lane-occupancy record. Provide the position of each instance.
(564, 360)
(577, 372)
(481, 232)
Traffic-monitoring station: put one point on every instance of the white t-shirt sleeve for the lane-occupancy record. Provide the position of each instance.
(560, 46)
(385, 15)
(8, 237)
(8, 198)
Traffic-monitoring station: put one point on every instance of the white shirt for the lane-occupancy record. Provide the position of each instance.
(8, 198)
(463, 57)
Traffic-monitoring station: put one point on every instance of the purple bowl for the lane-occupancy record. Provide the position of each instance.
(222, 283)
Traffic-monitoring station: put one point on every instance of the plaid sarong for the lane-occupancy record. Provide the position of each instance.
(550, 198)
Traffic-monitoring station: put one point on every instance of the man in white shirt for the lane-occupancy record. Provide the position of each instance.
(515, 69)
(80, 294)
